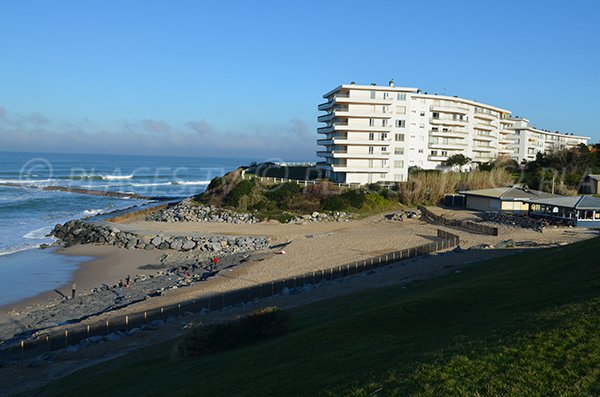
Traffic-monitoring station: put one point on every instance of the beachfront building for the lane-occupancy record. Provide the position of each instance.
(376, 133)
(583, 211)
(514, 199)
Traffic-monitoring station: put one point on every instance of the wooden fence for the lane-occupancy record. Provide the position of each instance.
(465, 225)
(57, 339)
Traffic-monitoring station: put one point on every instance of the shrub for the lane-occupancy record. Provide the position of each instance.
(376, 200)
(243, 188)
(215, 183)
(354, 198)
(333, 203)
(206, 339)
(283, 192)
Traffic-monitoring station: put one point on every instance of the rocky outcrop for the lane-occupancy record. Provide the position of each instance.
(336, 216)
(189, 211)
(82, 232)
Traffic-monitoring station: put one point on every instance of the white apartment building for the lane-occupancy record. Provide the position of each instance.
(376, 133)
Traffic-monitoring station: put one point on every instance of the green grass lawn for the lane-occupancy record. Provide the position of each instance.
(522, 325)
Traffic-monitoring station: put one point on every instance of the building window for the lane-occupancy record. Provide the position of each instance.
(370, 163)
(370, 149)
(399, 150)
(399, 137)
(384, 136)
(400, 123)
(371, 136)
(436, 115)
(422, 114)
(373, 94)
(371, 122)
(384, 123)
(444, 153)
(399, 164)
(420, 150)
(401, 96)
(434, 153)
(401, 109)
(383, 149)
(435, 129)
(385, 95)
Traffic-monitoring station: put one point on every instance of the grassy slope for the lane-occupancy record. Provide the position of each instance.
(522, 325)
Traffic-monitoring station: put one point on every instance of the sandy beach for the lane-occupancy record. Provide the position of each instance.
(311, 247)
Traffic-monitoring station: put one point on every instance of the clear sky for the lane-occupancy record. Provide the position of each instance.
(213, 78)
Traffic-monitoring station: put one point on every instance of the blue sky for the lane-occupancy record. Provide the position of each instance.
(224, 78)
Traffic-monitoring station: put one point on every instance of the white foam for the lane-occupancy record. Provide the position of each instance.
(90, 213)
(38, 234)
(151, 184)
(116, 177)
(191, 182)
(13, 250)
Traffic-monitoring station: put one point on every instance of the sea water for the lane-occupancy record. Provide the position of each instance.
(28, 213)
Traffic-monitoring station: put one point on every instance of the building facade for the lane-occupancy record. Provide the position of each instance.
(376, 133)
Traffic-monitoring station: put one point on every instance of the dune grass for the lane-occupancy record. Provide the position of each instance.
(527, 324)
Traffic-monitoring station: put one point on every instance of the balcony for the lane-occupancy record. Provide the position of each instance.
(506, 132)
(485, 116)
(449, 134)
(375, 115)
(485, 149)
(438, 158)
(346, 168)
(449, 109)
(448, 121)
(453, 145)
(482, 137)
(486, 127)
(363, 100)
(325, 117)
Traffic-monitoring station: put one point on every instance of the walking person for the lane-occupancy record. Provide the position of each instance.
(121, 289)
(73, 289)
(213, 264)
(127, 281)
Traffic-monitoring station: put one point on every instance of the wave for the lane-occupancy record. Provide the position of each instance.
(95, 177)
(26, 182)
(191, 182)
(116, 177)
(12, 250)
(38, 234)
(151, 184)
(90, 213)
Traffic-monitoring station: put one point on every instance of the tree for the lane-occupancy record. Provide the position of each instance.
(459, 160)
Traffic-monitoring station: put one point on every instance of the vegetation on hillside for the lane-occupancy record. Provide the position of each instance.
(283, 201)
(526, 324)
(429, 187)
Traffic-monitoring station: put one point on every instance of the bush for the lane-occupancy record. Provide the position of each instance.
(215, 183)
(243, 188)
(376, 200)
(283, 192)
(206, 339)
(354, 198)
(333, 203)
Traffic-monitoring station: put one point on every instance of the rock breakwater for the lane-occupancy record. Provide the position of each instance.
(82, 232)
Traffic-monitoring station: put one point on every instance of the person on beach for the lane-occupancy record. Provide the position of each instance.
(213, 264)
(73, 289)
(120, 289)
(127, 281)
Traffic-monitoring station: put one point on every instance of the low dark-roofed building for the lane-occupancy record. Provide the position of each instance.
(590, 184)
(581, 211)
(503, 199)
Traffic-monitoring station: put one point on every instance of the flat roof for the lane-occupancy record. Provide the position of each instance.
(513, 193)
(467, 101)
(581, 202)
(370, 88)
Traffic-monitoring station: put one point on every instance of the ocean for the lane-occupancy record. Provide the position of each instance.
(28, 213)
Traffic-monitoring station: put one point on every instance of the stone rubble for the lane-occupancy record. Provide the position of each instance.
(189, 211)
(82, 232)
(337, 216)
